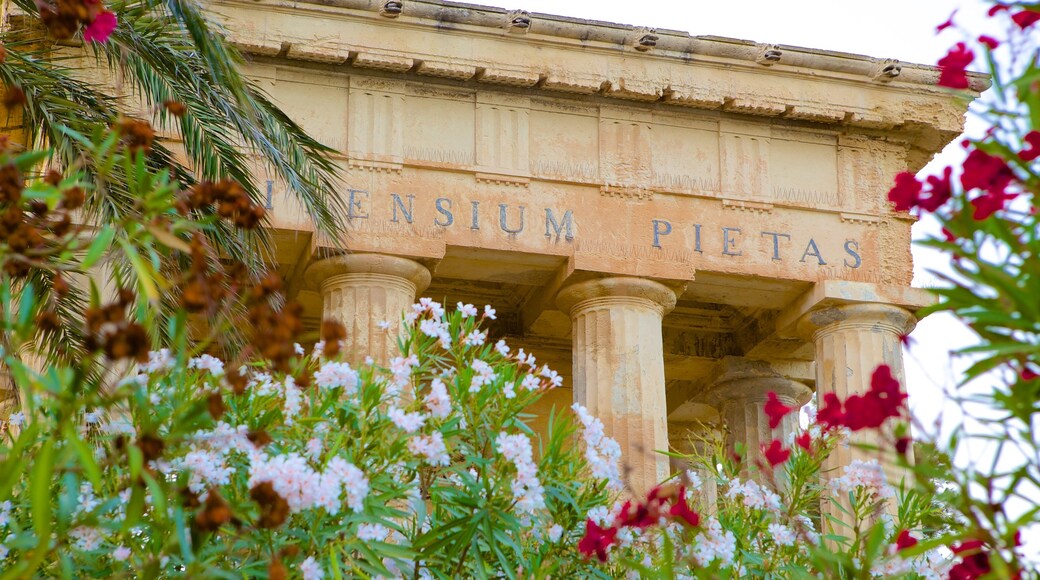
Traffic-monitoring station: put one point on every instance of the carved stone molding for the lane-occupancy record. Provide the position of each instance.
(500, 179)
(627, 192)
(748, 206)
(375, 166)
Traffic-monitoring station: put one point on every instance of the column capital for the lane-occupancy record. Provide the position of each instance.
(867, 316)
(605, 291)
(833, 302)
(325, 270)
(740, 378)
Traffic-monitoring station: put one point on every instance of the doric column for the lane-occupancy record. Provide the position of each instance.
(364, 290)
(852, 340)
(618, 360)
(740, 391)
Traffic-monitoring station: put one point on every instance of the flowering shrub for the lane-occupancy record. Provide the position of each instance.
(423, 468)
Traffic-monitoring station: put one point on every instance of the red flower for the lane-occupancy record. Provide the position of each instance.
(1026, 18)
(989, 203)
(985, 171)
(902, 445)
(775, 454)
(906, 193)
(939, 191)
(638, 515)
(952, 67)
(905, 540)
(101, 27)
(775, 409)
(974, 561)
(885, 385)
(995, 9)
(831, 414)
(681, 510)
(947, 24)
(1028, 374)
(1032, 139)
(804, 441)
(990, 42)
(597, 540)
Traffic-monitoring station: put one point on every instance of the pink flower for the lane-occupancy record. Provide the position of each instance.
(1032, 139)
(1026, 18)
(905, 540)
(775, 410)
(947, 24)
(906, 193)
(804, 441)
(990, 42)
(101, 28)
(952, 67)
(775, 454)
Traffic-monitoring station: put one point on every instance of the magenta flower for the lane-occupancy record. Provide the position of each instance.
(101, 28)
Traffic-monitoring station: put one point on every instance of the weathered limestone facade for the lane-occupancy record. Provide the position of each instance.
(679, 224)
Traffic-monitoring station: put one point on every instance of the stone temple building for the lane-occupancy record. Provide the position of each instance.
(678, 224)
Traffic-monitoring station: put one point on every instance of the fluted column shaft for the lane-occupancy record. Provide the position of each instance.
(852, 340)
(741, 394)
(618, 360)
(364, 291)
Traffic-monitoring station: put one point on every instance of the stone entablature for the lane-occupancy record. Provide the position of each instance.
(678, 224)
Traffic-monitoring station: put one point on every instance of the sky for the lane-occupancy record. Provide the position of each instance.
(899, 29)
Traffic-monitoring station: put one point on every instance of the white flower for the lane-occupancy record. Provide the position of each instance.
(437, 401)
(293, 399)
(755, 496)
(337, 374)
(554, 378)
(383, 325)
(694, 479)
(429, 305)
(298, 348)
(475, 338)
(121, 554)
(714, 544)
(159, 360)
(502, 347)
(484, 374)
(601, 452)
(86, 538)
(865, 475)
(600, 515)
(5, 513)
(781, 534)
(91, 417)
(16, 419)
(214, 365)
(466, 310)
(489, 312)
(311, 570)
(370, 532)
(527, 489)
(431, 447)
(353, 481)
(408, 422)
(531, 383)
(314, 447)
(555, 533)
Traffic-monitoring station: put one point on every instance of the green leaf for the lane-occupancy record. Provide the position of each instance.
(102, 241)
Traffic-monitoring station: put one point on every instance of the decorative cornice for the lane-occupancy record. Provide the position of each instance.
(664, 66)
